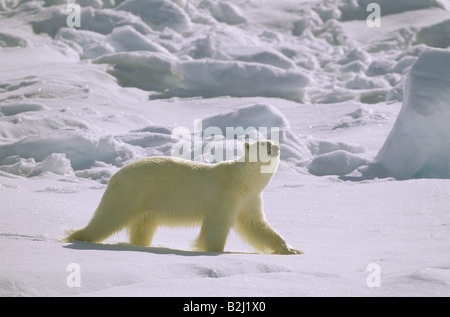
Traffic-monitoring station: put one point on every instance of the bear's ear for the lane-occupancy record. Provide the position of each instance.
(247, 146)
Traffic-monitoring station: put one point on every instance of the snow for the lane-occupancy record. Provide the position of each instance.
(361, 115)
(338, 162)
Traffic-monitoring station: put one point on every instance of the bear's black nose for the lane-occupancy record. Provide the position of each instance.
(274, 149)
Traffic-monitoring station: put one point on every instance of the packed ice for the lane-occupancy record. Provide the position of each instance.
(359, 102)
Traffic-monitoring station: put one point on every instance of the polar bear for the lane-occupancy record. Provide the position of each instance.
(171, 191)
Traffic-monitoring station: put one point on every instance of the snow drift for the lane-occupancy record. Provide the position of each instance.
(357, 9)
(206, 78)
(259, 121)
(62, 153)
(419, 144)
(158, 13)
(437, 35)
(339, 162)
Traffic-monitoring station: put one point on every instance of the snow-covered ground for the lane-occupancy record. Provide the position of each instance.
(362, 116)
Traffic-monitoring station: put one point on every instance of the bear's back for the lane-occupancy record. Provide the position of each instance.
(163, 170)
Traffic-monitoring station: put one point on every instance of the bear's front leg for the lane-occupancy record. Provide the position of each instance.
(264, 235)
(253, 228)
(287, 249)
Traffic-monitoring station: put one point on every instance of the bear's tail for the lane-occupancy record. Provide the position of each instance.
(96, 231)
(76, 235)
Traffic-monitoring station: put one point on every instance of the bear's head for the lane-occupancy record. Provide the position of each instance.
(264, 153)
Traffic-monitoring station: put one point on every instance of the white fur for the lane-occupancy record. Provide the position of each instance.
(168, 191)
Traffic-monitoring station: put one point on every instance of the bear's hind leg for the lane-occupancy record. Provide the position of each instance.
(141, 231)
(213, 233)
